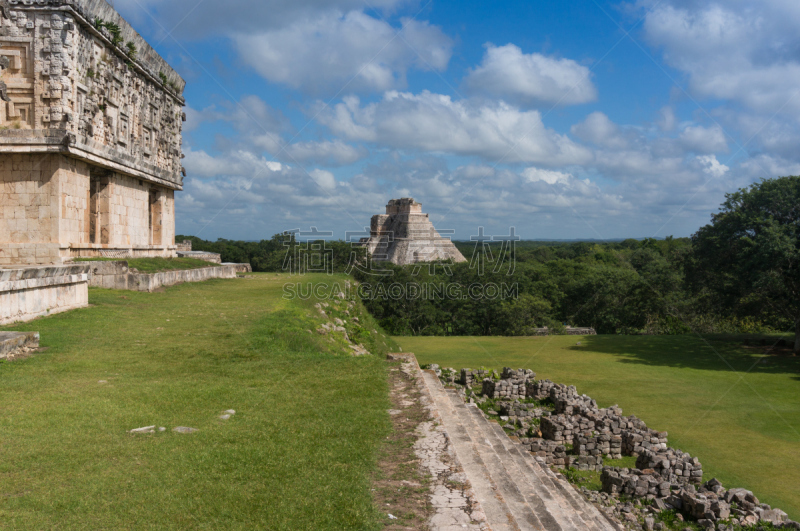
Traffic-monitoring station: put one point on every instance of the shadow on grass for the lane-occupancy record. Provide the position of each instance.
(708, 353)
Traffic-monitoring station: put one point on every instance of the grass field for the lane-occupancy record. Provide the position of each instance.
(298, 454)
(738, 411)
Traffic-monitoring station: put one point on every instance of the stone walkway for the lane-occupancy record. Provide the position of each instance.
(454, 502)
(506, 489)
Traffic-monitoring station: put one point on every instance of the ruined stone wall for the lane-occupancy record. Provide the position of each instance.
(566, 430)
(403, 206)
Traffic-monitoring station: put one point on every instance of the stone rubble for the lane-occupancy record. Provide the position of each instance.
(566, 430)
(511, 384)
(337, 325)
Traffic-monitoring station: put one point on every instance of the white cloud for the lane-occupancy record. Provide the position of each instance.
(472, 172)
(331, 153)
(194, 119)
(550, 177)
(564, 194)
(701, 139)
(601, 179)
(631, 181)
(331, 52)
(712, 166)
(667, 119)
(768, 166)
(520, 78)
(238, 194)
(532, 199)
(324, 179)
(239, 163)
(738, 51)
(436, 123)
(262, 128)
(541, 202)
(256, 122)
(599, 130)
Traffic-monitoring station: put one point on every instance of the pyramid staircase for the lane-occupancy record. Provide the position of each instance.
(515, 491)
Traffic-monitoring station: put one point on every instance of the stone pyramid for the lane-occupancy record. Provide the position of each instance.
(404, 235)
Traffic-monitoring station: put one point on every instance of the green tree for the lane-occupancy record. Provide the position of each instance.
(748, 259)
(521, 316)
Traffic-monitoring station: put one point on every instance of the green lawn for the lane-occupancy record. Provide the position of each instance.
(298, 454)
(738, 413)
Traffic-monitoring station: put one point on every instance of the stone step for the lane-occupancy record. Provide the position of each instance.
(511, 483)
(546, 476)
(497, 512)
(571, 500)
(552, 510)
(515, 491)
(557, 503)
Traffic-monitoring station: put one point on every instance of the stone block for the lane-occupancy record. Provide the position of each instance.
(31, 292)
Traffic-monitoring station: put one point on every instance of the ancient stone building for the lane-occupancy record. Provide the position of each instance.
(404, 235)
(90, 136)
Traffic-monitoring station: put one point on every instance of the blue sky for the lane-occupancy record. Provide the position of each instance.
(574, 119)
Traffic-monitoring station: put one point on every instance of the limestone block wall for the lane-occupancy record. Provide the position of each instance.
(117, 275)
(134, 219)
(29, 209)
(27, 186)
(168, 218)
(405, 205)
(214, 258)
(141, 215)
(73, 190)
(26, 294)
(128, 212)
(46, 212)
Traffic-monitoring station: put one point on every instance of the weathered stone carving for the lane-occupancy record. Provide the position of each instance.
(90, 135)
(404, 235)
(4, 64)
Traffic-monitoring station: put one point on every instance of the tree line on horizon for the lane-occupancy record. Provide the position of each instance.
(739, 274)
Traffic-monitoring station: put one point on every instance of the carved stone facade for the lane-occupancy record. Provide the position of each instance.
(404, 235)
(90, 135)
